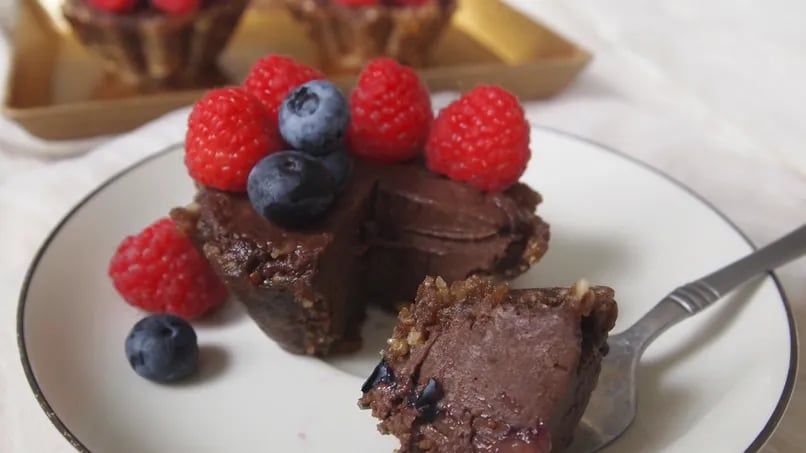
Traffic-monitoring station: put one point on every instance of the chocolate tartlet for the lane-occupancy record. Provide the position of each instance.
(348, 36)
(393, 225)
(477, 367)
(151, 49)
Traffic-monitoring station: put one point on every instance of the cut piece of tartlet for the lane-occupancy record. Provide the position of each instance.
(475, 366)
(348, 34)
(149, 48)
(394, 224)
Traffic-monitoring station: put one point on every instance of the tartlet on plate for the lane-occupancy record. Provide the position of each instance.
(394, 224)
(421, 197)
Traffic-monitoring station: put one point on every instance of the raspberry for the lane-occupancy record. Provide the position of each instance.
(390, 112)
(228, 133)
(114, 6)
(158, 270)
(273, 77)
(176, 6)
(482, 138)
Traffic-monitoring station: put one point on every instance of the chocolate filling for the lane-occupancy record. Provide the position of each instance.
(393, 225)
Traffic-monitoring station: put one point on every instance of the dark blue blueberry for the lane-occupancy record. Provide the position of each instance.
(314, 117)
(340, 165)
(291, 188)
(163, 348)
(426, 403)
(382, 374)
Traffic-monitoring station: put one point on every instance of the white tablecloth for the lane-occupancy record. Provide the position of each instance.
(711, 92)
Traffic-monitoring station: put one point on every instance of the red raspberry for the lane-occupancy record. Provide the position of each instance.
(177, 6)
(159, 270)
(228, 133)
(114, 6)
(482, 138)
(390, 112)
(273, 77)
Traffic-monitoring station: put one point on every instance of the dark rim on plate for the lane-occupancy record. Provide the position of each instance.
(755, 446)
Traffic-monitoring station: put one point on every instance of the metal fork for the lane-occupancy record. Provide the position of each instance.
(612, 406)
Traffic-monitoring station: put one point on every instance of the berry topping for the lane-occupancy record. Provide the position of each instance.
(163, 348)
(390, 112)
(228, 133)
(426, 403)
(177, 6)
(273, 77)
(159, 270)
(291, 188)
(114, 6)
(314, 117)
(382, 374)
(340, 165)
(481, 138)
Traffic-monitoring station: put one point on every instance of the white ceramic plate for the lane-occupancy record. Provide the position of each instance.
(715, 383)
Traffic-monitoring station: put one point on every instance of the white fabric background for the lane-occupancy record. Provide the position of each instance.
(711, 92)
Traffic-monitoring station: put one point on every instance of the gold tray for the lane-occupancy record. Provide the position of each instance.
(56, 90)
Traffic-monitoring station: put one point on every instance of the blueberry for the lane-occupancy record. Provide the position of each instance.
(314, 117)
(426, 403)
(340, 165)
(291, 188)
(162, 348)
(382, 374)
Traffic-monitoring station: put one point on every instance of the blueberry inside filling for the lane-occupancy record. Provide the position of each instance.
(382, 374)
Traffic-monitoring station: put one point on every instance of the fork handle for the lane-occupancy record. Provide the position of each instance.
(694, 297)
(775, 254)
